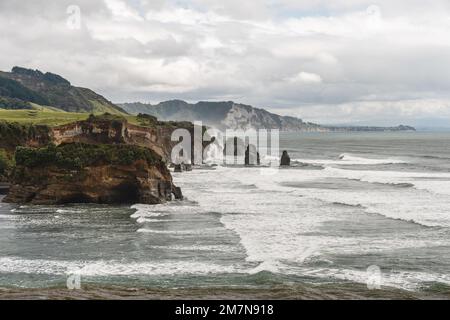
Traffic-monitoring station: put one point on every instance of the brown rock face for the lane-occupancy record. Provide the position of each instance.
(99, 160)
(15, 134)
(106, 131)
(136, 183)
(86, 173)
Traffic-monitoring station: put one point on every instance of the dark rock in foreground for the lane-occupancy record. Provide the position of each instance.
(4, 188)
(82, 173)
(285, 159)
(182, 167)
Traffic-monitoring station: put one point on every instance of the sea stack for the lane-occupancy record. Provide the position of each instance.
(252, 156)
(285, 159)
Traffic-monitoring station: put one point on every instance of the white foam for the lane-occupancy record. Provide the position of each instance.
(216, 248)
(111, 268)
(8, 216)
(181, 232)
(410, 281)
(399, 279)
(348, 159)
(147, 220)
(70, 211)
(161, 210)
(278, 223)
(438, 183)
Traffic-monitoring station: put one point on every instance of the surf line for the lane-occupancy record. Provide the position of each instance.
(186, 310)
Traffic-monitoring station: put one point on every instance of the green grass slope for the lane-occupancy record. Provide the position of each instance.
(52, 90)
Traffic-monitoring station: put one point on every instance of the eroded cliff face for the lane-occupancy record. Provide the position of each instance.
(104, 159)
(15, 134)
(104, 179)
(107, 184)
(98, 131)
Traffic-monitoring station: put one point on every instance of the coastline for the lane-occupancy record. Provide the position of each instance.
(350, 291)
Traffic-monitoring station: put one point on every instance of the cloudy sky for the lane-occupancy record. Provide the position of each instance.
(341, 61)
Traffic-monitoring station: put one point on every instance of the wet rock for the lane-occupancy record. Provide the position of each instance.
(285, 159)
(176, 191)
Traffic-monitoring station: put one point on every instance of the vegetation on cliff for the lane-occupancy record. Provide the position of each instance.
(90, 173)
(101, 159)
(79, 155)
(14, 134)
(5, 163)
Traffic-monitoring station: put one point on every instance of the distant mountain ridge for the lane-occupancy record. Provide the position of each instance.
(233, 115)
(21, 86)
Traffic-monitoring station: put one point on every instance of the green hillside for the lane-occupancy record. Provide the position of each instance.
(22, 86)
(44, 116)
(53, 117)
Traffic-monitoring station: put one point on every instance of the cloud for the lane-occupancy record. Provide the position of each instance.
(327, 61)
(379, 112)
(306, 77)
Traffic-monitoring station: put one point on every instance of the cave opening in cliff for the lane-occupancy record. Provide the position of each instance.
(126, 193)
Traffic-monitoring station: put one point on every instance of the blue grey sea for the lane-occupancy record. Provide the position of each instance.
(356, 216)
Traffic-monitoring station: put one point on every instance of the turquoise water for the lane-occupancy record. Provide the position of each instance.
(357, 214)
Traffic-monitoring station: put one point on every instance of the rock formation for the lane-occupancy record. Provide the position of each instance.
(252, 156)
(182, 167)
(285, 159)
(80, 173)
(115, 161)
(236, 146)
(110, 129)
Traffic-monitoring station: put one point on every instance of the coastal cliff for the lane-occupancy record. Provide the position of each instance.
(82, 173)
(103, 159)
(110, 129)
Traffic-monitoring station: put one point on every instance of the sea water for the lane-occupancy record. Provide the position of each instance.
(356, 215)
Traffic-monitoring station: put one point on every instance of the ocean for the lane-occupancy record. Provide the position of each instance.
(356, 216)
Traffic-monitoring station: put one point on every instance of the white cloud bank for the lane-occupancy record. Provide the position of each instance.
(380, 62)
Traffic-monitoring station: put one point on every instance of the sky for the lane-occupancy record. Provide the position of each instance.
(384, 62)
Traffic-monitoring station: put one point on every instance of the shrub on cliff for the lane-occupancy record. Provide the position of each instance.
(5, 162)
(146, 120)
(79, 155)
(13, 134)
(105, 117)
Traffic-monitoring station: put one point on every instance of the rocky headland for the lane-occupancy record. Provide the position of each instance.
(104, 159)
(83, 173)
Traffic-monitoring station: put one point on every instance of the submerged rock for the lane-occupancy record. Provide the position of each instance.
(285, 159)
(80, 173)
(182, 167)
